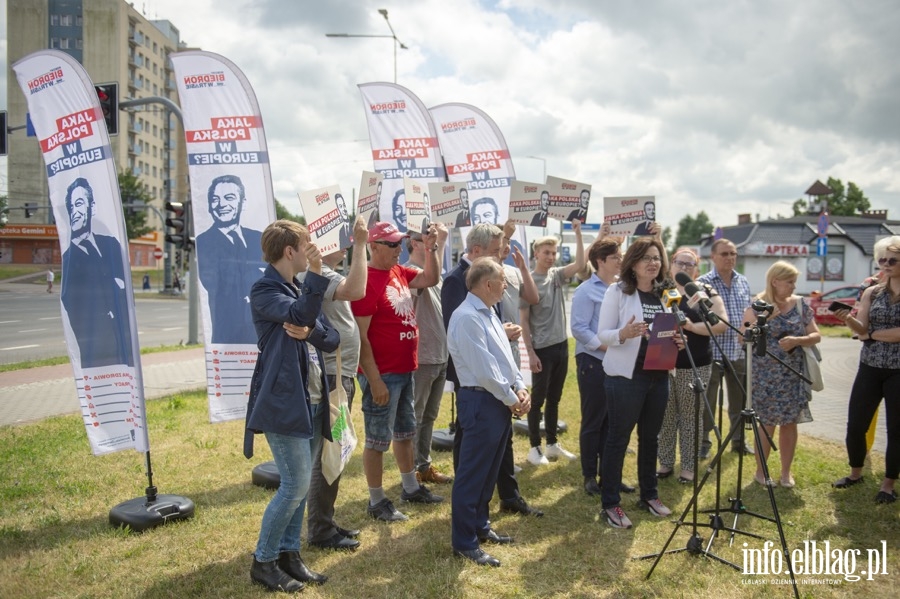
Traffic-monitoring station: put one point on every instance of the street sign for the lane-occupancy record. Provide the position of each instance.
(566, 254)
(823, 224)
(158, 253)
(585, 227)
(822, 246)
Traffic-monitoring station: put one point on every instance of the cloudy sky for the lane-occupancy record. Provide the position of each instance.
(727, 107)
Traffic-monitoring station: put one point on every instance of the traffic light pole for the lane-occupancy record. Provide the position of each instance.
(194, 286)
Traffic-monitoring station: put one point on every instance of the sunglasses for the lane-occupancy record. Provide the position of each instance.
(888, 261)
(391, 244)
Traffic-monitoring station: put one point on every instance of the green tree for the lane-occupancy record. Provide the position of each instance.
(281, 212)
(692, 228)
(134, 198)
(841, 202)
(4, 215)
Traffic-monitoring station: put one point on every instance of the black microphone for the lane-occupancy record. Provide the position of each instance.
(697, 297)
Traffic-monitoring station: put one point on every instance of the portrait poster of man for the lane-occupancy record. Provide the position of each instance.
(529, 203)
(568, 199)
(96, 297)
(326, 218)
(418, 210)
(369, 195)
(449, 203)
(629, 215)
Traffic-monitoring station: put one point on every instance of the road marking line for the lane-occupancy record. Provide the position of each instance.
(51, 318)
(9, 321)
(18, 347)
(32, 330)
(172, 329)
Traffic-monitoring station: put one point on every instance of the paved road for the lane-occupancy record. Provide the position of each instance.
(31, 324)
(33, 394)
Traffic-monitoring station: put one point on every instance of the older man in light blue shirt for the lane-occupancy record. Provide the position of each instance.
(491, 390)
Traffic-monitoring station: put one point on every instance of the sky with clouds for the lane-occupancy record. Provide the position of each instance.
(727, 107)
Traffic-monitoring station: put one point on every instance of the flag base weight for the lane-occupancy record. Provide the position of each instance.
(520, 425)
(442, 439)
(266, 475)
(139, 514)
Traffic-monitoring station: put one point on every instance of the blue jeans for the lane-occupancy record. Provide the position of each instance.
(283, 519)
(592, 438)
(637, 401)
(397, 419)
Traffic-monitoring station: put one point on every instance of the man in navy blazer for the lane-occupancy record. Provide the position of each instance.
(93, 286)
(286, 318)
(230, 261)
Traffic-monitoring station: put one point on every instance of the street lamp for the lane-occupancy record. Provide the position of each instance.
(384, 13)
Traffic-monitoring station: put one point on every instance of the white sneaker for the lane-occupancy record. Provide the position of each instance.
(556, 451)
(655, 507)
(537, 457)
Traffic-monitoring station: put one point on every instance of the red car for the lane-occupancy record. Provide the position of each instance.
(819, 302)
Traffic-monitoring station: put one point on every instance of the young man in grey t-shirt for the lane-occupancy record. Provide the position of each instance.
(545, 334)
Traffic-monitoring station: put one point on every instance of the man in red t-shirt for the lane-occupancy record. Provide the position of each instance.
(389, 340)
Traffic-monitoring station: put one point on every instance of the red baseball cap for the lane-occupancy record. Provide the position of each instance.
(385, 232)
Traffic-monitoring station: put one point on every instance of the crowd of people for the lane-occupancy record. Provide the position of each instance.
(403, 331)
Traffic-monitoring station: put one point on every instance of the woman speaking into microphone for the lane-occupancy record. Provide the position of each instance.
(635, 396)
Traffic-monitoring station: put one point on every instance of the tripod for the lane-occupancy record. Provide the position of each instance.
(754, 336)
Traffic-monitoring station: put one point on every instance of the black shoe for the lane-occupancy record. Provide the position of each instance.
(845, 482)
(885, 497)
(496, 539)
(623, 488)
(421, 495)
(479, 557)
(519, 506)
(336, 542)
(746, 450)
(385, 511)
(273, 578)
(351, 533)
(590, 486)
(293, 566)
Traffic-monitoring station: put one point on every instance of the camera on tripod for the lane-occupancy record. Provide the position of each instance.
(756, 333)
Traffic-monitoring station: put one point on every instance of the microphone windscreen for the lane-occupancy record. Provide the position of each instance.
(682, 278)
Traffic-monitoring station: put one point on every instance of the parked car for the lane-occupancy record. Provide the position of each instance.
(819, 302)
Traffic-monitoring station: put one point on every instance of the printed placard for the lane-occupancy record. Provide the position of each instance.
(369, 197)
(418, 206)
(326, 218)
(449, 204)
(529, 203)
(568, 199)
(631, 215)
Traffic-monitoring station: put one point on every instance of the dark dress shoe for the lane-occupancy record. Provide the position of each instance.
(479, 557)
(746, 449)
(623, 488)
(846, 482)
(273, 578)
(519, 506)
(336, 542)
(497, 539)
(591, 487)
(350, 533)
(290, 562)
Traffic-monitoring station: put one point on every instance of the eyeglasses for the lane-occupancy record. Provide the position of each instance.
(888, 261)
(649, 259)
(685, 265)
(391, 244)
(616, 257)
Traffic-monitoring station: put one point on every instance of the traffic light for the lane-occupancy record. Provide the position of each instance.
(177, 231)
(108, 94)
(3, 133)
(30, 209)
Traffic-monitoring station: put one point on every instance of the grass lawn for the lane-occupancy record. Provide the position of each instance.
(55, 540)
